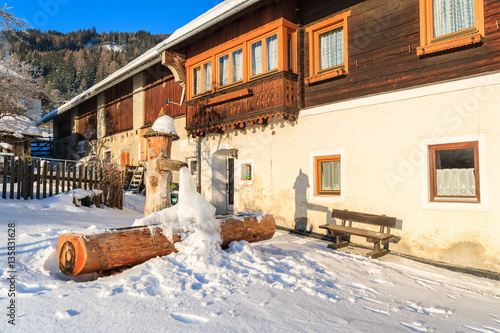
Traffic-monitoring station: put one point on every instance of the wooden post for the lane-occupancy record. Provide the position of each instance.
(85, 181)
(74, 176)
(58, 177)
(12, 177)
(44, 179)
(157, 181)
(38, 178)
(51, 177)
(19, 182)
(116, 248)
(80, 176)
(6, 163)
(32, 179)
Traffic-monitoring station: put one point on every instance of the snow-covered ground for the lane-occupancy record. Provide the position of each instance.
(287, 284)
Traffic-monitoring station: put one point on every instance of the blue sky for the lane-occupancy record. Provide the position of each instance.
(158, 17)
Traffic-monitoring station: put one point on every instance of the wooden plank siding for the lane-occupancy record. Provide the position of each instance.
(87, 120)
(160, 85)
(247, 21)
(119, 107)
(383, 37)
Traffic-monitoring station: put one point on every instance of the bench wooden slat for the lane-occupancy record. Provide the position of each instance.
(380, 220)
(356, 231)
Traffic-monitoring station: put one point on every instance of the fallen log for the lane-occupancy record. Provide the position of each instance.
(123, 247)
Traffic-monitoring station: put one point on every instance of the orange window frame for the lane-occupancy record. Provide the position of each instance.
(202, 78)
(230, 66)
(320, 28)
(433, 172)
(264, 52)
(317, 174)
(281, 27)
(445, 42)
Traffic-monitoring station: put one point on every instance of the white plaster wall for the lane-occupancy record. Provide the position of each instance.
(381, 141)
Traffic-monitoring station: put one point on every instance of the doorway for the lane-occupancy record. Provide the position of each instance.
(223, 182)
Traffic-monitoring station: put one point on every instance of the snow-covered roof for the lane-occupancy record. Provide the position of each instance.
(153, 55)
(19, 125)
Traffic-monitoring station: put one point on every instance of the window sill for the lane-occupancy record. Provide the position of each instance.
(326, 76)
(450, 44)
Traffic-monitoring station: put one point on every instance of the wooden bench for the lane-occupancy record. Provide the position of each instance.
(371, 236)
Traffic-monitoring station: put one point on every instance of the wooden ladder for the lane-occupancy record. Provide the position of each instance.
(137, 179)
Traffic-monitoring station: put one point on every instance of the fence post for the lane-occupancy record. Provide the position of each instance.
(12, 177)
(80, 176)
(51, 176)
(44, 179)
(74, 176)
(19, 182)
(6, 163)
(32, 178)
(58, 175)
(38, 178)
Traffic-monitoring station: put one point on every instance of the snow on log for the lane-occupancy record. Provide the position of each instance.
(80, 254)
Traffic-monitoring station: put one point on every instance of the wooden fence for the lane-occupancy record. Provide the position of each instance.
(38, 179)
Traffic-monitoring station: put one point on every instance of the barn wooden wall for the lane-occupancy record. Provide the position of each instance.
(160, 85)
(119, 107)
(87, 119)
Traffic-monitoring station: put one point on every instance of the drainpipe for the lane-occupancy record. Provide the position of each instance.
(198, 164)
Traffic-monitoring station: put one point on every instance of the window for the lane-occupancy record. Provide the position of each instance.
(256, 58)
(196, 81)
(202, 80)
(328, 48)
(207, 76)
(231, 68)
(444, 20)
(454, 172)
(238, 65)
(264, 50)
(327, 175)
(246, 171)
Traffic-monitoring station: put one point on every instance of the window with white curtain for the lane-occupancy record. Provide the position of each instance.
(331, 48)
(237, 65)
(224, 70)
(454, 171)
(271, 52)
(257, 58)
(327, 175)
(450, 16)
(207, 76)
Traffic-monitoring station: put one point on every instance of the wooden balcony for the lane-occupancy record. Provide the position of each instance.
(258, 101)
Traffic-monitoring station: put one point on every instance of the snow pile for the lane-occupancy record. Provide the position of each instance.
(6, 146)
(113, 47)
(193, 217)
(164, 124)
(19, 125)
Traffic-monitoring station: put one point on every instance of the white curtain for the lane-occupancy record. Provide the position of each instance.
(272, 52)
(238, 65)
(331, 46)
(456, 182)
(257, 58)
(224, 70)
(196, 81)
(207, 76)
(330, 176)
(452, 15)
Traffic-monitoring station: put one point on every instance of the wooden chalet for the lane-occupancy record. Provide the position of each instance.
(299, 107)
